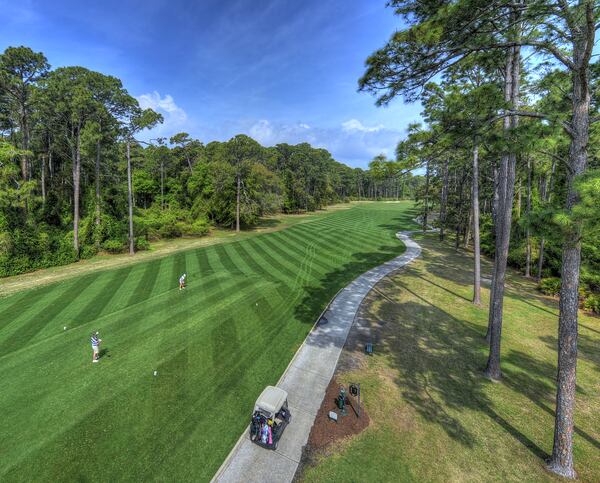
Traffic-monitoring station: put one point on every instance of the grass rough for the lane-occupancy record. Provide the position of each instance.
(434, 417)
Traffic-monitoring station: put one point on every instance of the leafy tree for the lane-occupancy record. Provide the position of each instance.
(20, 70)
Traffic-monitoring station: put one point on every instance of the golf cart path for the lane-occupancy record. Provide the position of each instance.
(306, 380)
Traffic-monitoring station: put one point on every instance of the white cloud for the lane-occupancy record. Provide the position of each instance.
(356, 125)
(175, 118)
(262, 131)
(352, 142)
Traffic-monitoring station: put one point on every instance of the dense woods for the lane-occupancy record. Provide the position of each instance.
(77, 176)
(509, 149)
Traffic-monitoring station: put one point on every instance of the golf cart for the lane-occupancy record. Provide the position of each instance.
(271, 416)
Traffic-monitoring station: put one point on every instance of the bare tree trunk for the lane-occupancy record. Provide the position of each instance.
(467, 236)
(24, 144)
(76, 188)
(562, 451)
(130, 200)
(97, 173)
(444, 200)
(476, 244)
(162, 184)
(459, 214)
(43, 179)
(518, 207)
(546, 196)
(426, 212)
(504, 217)
(237, 204)
(496, 198)
(527, 234)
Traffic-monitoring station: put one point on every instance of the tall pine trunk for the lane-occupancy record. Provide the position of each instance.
(24, 143)
(476, 243)
(237, 203)
(426, 211)
(506, 188)
(546, 197)
(562, 451)
(527, 234)
(162, 184)
(43, 180)
(97, 173)
(76, 191)
(130, 200)
(444, 200)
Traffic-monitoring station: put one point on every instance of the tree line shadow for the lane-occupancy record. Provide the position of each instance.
(439, 360)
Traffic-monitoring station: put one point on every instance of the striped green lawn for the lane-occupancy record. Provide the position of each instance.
(248, 306)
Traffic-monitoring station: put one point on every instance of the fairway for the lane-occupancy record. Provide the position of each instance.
(247, 308)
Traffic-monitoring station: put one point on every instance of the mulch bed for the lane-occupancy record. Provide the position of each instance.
(326, 431)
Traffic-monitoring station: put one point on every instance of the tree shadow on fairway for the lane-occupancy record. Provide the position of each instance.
(403, 221)
(439, 360)
(588, 348)
(536, 380)
(263, 223)
(317, 297)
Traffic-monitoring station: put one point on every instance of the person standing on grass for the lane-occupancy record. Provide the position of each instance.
(95, 347)
(182, 281)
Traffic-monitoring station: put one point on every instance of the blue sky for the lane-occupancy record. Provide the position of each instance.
(278, 70)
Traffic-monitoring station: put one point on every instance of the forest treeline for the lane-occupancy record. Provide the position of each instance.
(76, 177)
(509, 147)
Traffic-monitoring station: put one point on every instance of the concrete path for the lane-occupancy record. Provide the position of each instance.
(306, 380)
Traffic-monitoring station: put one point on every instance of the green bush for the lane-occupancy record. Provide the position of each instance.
(142, 244)
(197, 228)
(550, 286)
(87, 251)
(592, 303)
(113, 246)
(171, 229)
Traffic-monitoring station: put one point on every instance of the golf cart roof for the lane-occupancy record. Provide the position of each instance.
(271, 400)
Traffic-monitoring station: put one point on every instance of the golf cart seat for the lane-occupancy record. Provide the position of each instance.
(271, 416)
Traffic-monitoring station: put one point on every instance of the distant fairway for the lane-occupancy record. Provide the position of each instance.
(64, 418)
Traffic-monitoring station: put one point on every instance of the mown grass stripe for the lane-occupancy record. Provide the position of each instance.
(257, 244)
(293, 244)
(24, 303)
(226, 260)
(147, 281)
(179, 267)
(250, 260)
(347, 242)
(44, 316)
(99, 301)
(303, 257)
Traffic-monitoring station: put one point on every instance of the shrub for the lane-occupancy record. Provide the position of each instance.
(142, 244)
(550, 286)
(113, 246)
(87, 251)
(171, 229)
(198, 228)
(592, 303)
